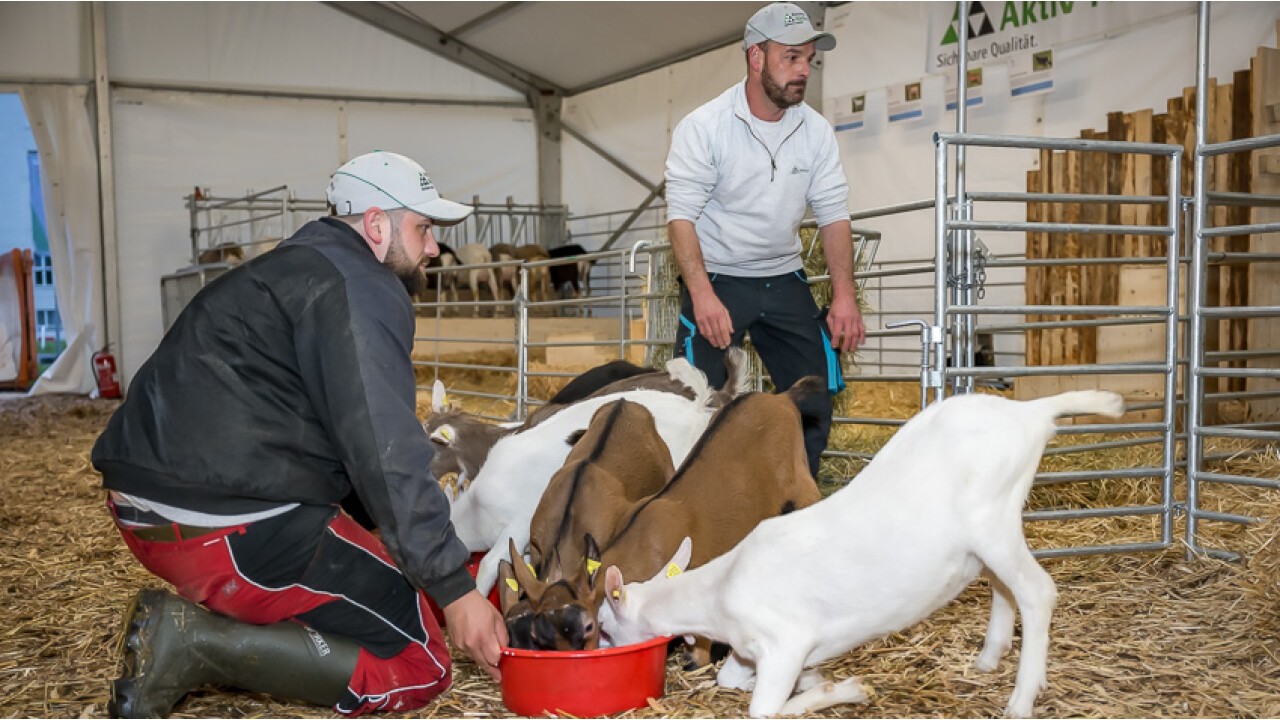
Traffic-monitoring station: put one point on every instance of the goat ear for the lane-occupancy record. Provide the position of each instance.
(439, 401)
(508, 588)
(679, 561)
(444, 435)
(613, 583)
(524, 575)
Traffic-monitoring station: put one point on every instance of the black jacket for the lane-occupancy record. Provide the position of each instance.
(289, 379)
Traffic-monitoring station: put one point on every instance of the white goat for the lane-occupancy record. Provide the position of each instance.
(939, 505)
(499, 504)
(477, 254)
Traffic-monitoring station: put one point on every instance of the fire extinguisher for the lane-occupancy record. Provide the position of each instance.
(104, 373)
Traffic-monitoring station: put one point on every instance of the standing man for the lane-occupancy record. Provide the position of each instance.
(285, 385)
(741, 170)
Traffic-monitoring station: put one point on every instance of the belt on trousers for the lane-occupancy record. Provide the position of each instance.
(173, 532)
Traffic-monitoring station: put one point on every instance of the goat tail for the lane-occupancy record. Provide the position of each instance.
(683, 372)
(1082, 402)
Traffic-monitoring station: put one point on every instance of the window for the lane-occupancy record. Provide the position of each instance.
(42, 269)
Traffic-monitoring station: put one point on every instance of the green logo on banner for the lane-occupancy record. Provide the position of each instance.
(978, 22)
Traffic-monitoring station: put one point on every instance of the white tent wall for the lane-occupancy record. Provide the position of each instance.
(173, 131)
(633, 121)
(45, 41)
(304, 47)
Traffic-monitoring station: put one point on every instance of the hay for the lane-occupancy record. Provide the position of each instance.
(1150, 636)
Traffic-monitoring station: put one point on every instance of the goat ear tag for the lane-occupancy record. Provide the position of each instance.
(443, 435)
(592, 566)
(515, 586)
(532, 572)
(673, 570)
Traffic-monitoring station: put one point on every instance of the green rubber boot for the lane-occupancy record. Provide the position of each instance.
(172, 646)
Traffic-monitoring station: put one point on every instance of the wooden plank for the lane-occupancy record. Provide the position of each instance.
(1237, 276)
(1034, 275)
(1264, 278)
(1056, 351)
(1072, 248)
(1142, 131)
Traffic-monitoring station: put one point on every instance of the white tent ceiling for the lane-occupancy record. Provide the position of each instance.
(571, 47)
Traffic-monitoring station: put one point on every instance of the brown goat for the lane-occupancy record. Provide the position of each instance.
(619, 460)
(749, 466)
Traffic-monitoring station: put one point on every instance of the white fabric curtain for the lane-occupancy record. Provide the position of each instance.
(64, 133)
(10, 321)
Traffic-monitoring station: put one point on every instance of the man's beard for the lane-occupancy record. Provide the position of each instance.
(782, 97)
(399, 262)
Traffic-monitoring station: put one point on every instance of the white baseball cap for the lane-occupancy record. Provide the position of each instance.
(786, 24)
(388, 181)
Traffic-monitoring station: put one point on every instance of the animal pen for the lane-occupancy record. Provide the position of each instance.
(1124, 287)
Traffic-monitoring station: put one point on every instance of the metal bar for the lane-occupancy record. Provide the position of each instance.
(1024, 142)
(626, 224)
(1254, 229)
(1060, 478)
(417, 32)
(656, 64)
(1099, 322)
(892, 210)
(484, 18)
(1237, 433)
(1068, 198)
(522, 344)
(1047, 370)
(1120, 549)
(464, 366)
(233, 91)
(1233, 146)
(1169, 449)
(1227, 517)
(1158, 310)
(1238, 372)
(1229, 479)
(932, 338)
(111, 318)
(609, 157)
(1243, 199)
(1055, 228)
(1089, 513)
(1093, 447)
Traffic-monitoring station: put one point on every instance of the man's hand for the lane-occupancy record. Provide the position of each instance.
(713, 320)
(844, 321)
(478, 630)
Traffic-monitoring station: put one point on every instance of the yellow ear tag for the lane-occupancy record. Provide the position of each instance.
(673, 570)
(617, 594)
(446, 432)
(515, 586)
(532, 572)
(592, 566)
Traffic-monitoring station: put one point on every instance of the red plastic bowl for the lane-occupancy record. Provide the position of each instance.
(473, 567)
(584, 683)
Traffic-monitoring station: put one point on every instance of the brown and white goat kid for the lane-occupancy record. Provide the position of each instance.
(618, 461)
(500, 502)
(940, 504)
(748, 466)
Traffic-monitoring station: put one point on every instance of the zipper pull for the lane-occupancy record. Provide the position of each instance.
(773, 169)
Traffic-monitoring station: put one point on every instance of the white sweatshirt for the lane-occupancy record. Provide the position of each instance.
(746, 199)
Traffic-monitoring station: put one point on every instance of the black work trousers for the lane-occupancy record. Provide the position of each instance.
(787, 330)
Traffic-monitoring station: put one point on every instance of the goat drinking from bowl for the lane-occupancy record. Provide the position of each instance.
(940, 504)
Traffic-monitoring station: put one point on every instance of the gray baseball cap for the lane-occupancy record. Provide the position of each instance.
(388, 181)
(785, 24)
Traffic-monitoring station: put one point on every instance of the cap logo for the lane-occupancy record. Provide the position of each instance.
(794, 18)
(424, 182)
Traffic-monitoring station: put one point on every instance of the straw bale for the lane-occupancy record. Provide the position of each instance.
(1133, 636)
